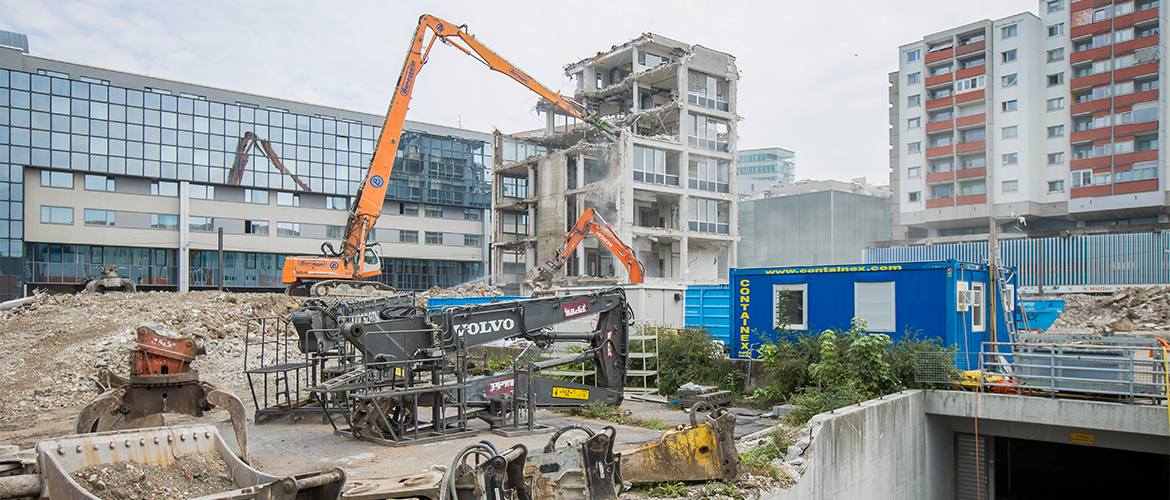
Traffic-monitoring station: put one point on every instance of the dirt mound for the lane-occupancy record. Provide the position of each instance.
(50, 351)
(1130, 309)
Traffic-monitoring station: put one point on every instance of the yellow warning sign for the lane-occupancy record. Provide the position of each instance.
(565, 392)
(1081, 438)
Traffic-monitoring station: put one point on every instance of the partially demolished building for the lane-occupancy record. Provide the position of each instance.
(661, 179)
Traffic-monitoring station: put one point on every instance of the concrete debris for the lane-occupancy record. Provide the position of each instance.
(50, 351)
(465, 290)
(190, 476)
(1132, 309)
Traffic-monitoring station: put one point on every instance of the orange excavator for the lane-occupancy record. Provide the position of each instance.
(540, 278)
(337, 269)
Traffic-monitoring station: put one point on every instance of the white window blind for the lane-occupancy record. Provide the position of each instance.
(874, 302)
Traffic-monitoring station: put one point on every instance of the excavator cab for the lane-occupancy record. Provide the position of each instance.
(371, 263)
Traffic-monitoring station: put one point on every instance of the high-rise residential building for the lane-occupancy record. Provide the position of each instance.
(1056, 117)
(102, 167)
(760, 168)
(663, 181)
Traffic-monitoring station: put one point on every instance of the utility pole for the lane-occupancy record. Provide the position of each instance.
(992, 276)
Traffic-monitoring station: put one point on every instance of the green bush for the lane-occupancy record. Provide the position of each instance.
(904, 363)
(691, 356)
(812, 401)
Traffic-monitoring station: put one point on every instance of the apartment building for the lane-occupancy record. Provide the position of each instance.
(102, 167)
(662, 181)
(760, 168)
(1055, 117)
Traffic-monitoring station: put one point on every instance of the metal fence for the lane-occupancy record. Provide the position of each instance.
(1141, 258)
(1124, 369)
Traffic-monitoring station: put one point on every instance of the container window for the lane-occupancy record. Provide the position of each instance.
(790, 306)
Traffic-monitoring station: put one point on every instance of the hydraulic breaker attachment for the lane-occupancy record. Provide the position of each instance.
(701, 452)
(585, 470)
(497, 477)
(161, 381)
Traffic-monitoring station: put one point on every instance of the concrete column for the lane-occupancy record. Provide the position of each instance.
(184, 236)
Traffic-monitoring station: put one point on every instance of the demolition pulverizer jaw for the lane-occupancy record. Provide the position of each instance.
(161, 381)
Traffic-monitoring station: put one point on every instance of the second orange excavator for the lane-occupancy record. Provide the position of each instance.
(540, 278)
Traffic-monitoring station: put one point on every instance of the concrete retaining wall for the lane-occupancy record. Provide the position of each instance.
(902, 446)
(876, 450)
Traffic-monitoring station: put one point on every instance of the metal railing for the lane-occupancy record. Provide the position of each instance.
(1114, 368)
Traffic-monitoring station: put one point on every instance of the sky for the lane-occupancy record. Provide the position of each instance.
(813, 75)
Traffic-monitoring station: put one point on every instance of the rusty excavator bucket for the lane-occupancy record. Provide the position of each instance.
(703, 451)
(161, 381)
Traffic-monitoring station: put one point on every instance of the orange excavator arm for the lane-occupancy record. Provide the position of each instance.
(371, 193)
(589, 222)
(244, 150)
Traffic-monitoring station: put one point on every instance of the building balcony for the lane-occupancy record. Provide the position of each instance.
(934, 57)
(1132, 45)
(940, 102)
(969, 48)
(971, 120)
(1131, 158)
(1136, 97)
(934, 177)
(940, 151)
(1088, 135)
(939, 125)
(971, 173)
(940, 79)
(1089, 106)
(971, 199)
(1135, 186)
(970, 72)
(1090, 55)
(940, 202)
(1122, 22)
(969, 96)
(967, 147)
(1085, 192)
(1101, 161)
(1089, 29)
(1135, 71)
(1080, 5)
(1089, 81)
(1121, 130)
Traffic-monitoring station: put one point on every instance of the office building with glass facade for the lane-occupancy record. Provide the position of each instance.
(100, 167)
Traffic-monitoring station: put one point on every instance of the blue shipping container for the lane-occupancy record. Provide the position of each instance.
(893, 298)
(709, 307)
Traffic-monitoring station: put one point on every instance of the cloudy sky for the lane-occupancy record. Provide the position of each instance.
(813, 75)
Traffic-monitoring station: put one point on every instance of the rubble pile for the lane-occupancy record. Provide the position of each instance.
(1127, 310)
(51, 350)
(190, 476)
(465, 290)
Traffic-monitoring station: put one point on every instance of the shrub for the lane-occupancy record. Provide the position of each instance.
(812, 401)
(904, 362)
(691, 356)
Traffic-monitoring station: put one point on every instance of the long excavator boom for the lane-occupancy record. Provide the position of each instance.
(589, 222)
(244, 151)
(351, 260)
